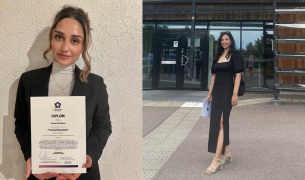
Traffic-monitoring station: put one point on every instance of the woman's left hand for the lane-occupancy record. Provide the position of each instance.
(234, 101)
(74, 176)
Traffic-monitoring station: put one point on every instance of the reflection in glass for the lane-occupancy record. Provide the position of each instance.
(258, 73)
(252, 25)
(269, 23)
(213, 40)
(192, 70)
(269, 39)
(269, 32)
(148, 57)
(224, 25)
(149, 25)
(201, 25)
(169, 55)
(174, 25)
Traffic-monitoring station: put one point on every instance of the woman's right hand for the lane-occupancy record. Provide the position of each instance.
(38, 176)
(208, 98)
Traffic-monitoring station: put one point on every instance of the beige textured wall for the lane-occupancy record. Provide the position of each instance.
(116, 56)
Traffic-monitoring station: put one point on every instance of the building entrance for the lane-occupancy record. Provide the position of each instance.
(178, 65)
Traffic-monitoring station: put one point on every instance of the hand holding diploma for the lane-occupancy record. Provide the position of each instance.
(206, 107)
(88, 164)
(49, 175)
(38, 176)
(208, 98)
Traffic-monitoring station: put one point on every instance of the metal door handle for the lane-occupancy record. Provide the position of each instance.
(187, 60)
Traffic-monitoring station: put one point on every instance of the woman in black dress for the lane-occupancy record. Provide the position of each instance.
(227, 63)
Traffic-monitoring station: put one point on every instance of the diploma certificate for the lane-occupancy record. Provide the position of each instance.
(206, 108)
(58, 134)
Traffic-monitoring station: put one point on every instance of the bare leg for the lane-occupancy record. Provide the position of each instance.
(227, 148)
(216, 163)
(227, 153)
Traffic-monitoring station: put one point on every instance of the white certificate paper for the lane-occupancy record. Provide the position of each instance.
(58, 134)
(206, 108)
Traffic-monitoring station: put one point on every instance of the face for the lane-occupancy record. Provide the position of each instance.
(67, 41)
(225, 41)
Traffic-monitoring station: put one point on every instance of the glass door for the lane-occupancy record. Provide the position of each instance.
(195, 71)
(178, 66)
(169, 47)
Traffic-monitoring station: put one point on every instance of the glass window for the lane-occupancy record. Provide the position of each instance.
(224, 25)
(252, 41)
(174, 25)
(269, 23)
(201, 25)
(269, 26)
(258, 73)
(149, 25)
(269, 32)
(269, 38)
(252, 25)
(148, 57)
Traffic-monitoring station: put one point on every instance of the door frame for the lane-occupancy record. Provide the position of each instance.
(205, 59)
(179, 72)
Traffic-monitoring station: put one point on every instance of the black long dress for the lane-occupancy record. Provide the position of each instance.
(221, 98)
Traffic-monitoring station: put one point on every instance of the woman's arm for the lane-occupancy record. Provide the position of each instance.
(236, 83)
(22, 129)
(211, 88)
(101, 125)
(236, 88)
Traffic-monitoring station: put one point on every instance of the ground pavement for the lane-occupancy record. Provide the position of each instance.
(267, 142)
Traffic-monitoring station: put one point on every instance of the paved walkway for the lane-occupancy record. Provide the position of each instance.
(175, 139)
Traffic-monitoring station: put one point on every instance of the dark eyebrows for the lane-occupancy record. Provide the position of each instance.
(77, 36)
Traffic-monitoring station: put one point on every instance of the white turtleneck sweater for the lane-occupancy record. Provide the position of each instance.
(61, 80)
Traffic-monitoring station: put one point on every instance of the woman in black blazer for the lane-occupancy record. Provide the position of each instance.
(69, 37)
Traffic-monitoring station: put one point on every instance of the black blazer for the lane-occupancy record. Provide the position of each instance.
(98, 125)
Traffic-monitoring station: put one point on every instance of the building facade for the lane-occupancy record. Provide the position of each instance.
(180, 41)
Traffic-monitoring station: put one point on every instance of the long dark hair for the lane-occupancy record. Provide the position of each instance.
(82, 17)
(220, 49)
